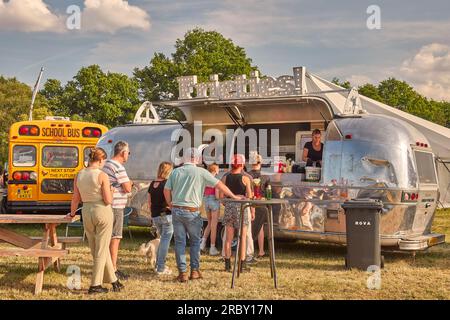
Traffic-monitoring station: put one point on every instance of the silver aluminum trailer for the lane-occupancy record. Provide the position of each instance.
(364, 156)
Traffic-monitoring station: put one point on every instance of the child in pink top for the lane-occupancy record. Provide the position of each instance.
(212, 207)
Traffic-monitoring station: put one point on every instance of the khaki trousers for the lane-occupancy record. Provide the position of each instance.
(98, 224)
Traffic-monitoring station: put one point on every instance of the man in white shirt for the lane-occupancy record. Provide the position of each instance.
(122, 187)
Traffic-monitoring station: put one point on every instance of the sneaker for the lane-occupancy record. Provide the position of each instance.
(117, 286)
(195, 275)
(165, 272)
(121, 276)
(182, 277)
(213, 251)
(203, 244)
(251, 260)
(97, 289)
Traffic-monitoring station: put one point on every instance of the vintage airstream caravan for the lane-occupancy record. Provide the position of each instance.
(364, 155)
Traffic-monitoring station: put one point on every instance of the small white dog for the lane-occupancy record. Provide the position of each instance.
(150, 250)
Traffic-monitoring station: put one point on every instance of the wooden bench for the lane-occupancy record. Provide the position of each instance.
(64, 240)
(44, 253)
(48, 248)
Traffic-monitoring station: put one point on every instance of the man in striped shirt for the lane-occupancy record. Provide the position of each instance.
(121, 186)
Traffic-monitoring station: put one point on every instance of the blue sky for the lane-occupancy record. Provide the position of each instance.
(330, 38)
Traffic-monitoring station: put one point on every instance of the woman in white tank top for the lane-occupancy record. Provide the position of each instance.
(92, 188)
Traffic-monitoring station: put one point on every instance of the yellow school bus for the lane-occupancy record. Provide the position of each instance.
(44, 157)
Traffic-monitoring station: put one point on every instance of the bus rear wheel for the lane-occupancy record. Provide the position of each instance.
(3, 206)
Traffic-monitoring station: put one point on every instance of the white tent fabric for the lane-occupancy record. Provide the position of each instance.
(438, 136)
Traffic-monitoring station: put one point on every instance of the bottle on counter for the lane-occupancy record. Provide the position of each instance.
(257, 193)
(269, 192)
(289, 165)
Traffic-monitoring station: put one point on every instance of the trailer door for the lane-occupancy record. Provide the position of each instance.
(428, 191)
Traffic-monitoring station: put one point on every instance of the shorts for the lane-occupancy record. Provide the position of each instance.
(118, 223)
(211, 203)
(232, 213)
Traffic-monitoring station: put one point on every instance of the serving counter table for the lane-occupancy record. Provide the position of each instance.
(47, 249)
(267, 204)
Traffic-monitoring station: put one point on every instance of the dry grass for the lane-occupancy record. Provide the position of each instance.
(305, 271)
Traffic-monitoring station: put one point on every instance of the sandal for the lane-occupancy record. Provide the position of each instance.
(261, 256)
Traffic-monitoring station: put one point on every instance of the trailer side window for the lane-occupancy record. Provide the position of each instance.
(425, 167)
(333, 133)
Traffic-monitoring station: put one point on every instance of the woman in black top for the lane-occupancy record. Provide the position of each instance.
(239, 184)
(312, 151)
(161, 216)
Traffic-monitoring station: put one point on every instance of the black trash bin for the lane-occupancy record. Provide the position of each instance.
(362, 221)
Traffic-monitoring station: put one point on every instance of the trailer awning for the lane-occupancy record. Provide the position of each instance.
(255, 111)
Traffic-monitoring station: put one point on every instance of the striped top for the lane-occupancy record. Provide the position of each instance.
(117, 175)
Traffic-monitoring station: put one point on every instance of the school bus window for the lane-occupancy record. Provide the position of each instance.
(24, 156)
(57, 186)
(60, 157)
(86, 153)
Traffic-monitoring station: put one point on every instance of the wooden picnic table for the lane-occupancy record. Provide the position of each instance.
(47, 249)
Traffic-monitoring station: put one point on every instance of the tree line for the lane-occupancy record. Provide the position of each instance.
(112, 99)
(401, 95)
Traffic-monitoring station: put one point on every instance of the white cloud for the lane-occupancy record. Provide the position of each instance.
(359, 80)
(428, 71)
(111, 56)
(113, 15)
(28, 16)
(97, 16)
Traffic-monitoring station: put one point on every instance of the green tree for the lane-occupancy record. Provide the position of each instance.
(399, 94)
(200, 53)
(370, 91)
(445, 106)
(15, 99)
(109, 98)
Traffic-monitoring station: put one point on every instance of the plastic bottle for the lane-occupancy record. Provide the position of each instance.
(269, 192)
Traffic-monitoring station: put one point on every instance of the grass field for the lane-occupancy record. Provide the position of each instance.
(305, 270)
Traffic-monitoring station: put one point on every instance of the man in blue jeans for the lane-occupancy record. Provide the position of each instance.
(183, 192)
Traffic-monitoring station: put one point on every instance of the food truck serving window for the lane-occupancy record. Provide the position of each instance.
(24, 156)
(425, 167)
(60, 157)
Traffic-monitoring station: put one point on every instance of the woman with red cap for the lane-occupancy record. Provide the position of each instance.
(239, 184)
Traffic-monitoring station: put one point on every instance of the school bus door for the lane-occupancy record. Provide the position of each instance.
(59, 165)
